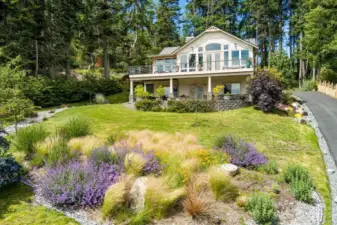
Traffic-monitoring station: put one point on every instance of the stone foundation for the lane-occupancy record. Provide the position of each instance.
(223, 105)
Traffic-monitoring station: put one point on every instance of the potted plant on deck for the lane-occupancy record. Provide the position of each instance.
(217, 90)
(160, 92)
(227, 96)
(140, 92)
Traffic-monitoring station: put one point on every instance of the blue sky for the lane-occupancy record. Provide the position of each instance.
(182, 4)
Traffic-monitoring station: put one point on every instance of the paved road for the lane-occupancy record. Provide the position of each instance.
(324, 109)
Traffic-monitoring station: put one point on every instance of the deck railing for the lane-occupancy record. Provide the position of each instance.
(192, 67)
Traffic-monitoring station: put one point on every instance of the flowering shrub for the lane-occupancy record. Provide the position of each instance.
(208, 158)
(77, 184)
(9, 170)
(243, 154)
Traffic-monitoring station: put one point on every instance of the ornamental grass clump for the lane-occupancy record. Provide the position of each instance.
(100, 99)
(116, 197)
(195, 202)
(75, 184)
(75, 127)
(27, 137)
(85, 145)
(262, 208)
(242, 154)
(159, 197)
(221, 186)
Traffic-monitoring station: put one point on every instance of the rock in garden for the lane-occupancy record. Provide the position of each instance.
(296, 105)
(231, 169)
(331, 171)
(336, 199)
(137, 194)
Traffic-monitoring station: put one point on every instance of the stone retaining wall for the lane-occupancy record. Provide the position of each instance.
(223, 105)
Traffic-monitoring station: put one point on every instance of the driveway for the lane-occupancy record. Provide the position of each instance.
(324, 109)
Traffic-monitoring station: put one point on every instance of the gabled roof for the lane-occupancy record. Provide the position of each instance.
(168, 50)
(214, 29)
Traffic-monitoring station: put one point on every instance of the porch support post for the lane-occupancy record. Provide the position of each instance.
(209, 93)
(171, 88)
(131, 92)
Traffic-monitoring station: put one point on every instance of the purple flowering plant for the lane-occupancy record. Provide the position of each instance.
(243, 154)
(77, 184)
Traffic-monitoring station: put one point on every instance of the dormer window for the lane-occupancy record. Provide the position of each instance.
(213, 47)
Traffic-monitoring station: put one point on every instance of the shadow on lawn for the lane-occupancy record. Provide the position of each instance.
(13, 195)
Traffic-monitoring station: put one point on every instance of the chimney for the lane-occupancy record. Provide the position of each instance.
(188, 38)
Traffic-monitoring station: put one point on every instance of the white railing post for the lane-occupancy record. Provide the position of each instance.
(131, 92)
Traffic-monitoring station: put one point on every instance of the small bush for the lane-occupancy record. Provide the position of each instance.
(242, 201)
(115, 197)
(85, 144)
(301, 184)
(75, 127)
(102, 155)
(75, 184)
(262, 208)
(190, 106)
(27, 137)
(269, 168)
(265, 91)
(100, 99)
(221, 186)
(309, 85)
(243, 154)
(302, 190)
(148, 105)
(9, 171)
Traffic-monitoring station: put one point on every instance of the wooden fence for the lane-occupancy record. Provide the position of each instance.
(327, 88)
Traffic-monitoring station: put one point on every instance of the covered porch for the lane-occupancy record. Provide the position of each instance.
(201, 88)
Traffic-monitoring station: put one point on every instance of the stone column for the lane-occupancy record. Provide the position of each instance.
(209, 93)
(131, 92)
(171, 88)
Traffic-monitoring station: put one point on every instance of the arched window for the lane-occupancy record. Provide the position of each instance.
(213, 47)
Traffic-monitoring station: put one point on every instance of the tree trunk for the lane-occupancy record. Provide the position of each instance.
(314, 70)
(16, 123)
(68, 66)
(290, 36)
(301, 69)
(270, 43)
(280, 25)
(36, 58)
(106, 58)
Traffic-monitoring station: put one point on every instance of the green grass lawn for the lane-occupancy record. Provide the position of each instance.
(16, 208)
(279, 138)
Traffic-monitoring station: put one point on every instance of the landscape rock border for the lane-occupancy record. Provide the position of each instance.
(330, 164)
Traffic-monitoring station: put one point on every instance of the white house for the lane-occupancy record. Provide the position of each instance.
(213, 58)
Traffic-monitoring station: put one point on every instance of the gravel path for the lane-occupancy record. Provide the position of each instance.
(29, 121)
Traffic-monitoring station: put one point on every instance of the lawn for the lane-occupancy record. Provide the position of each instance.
(15, 208)
(279, 138)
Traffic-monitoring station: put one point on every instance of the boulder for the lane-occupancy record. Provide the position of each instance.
(296, 105)
(137, 194)
(231, 169)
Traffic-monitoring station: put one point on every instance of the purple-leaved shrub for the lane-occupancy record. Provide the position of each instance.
(152, 165)
(243, 154)
(77, 184)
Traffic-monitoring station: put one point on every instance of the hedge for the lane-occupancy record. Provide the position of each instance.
(190, 106)
(148, 105)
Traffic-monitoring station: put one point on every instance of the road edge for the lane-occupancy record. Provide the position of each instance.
(331, 168)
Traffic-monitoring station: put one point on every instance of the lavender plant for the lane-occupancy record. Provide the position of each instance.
(243, 154)
(76, 184)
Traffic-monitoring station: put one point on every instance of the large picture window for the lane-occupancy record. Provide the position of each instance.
(213, 47)
(183, 63)
(236, 58)
(192, 61)
(159, 65)
(233, 88)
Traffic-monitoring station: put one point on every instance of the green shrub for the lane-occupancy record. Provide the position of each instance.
(100, 99)
(190, 106)
(46, 92)
(75, 127)
(262, 208)
(302, 190)
(269, 168)
(221, 186)
(242, 201)
(327, 74)
(309, 85)
(287, 97)
(296, 172)
(114, 137)
(27, 137)
(118, 98)
(301, 184)
(148, 105)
